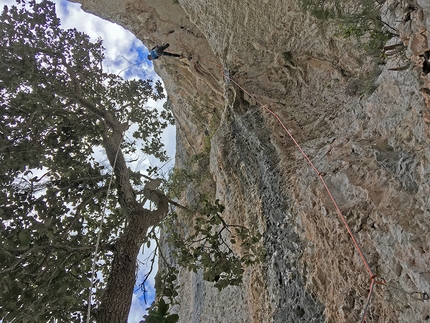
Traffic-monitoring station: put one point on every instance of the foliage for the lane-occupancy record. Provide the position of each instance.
(159, 313)
(209, 246)
(364, 84)
(166, 113)
(178, 180)
(208, 249)
(57, 105)
(193, 173)
(359, 19)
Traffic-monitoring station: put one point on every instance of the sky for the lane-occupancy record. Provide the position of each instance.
(126, 56)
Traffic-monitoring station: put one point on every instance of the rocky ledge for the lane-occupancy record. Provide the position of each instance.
(365, 127)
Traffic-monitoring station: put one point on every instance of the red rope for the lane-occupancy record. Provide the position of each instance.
(369, 297)
(320, 175)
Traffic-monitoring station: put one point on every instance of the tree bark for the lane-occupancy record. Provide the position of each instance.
(116, 300)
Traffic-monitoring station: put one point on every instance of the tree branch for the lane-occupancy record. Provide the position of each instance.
(47, 247)
(79, 208)
(101, 114)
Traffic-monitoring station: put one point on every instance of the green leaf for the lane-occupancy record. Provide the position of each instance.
(48, 222)
(24, 237)
(173, 318)
(40, 228)
(154, 319)
(86, 283)
(162, 307)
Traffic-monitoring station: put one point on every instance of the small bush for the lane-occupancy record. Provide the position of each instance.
(360, 19)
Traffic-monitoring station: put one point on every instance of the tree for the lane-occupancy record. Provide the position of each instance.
(57, 106)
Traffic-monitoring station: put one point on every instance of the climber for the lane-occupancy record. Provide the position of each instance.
(158, 51)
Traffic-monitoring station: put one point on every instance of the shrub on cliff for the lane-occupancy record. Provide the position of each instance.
(359, 19)
(57, 105)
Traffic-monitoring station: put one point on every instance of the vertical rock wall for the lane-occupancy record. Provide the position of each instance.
(370, 136)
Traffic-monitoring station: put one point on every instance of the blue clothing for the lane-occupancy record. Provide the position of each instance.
(158, 51)
(154, 54)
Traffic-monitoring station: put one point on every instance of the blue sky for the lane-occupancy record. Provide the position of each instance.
(126, 55)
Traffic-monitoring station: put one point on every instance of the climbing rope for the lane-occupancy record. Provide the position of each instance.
(320, 175)
(93, 268)
(419, 296)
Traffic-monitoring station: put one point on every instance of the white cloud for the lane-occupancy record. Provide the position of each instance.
(123, 52)
(6, 3)
(138, 307)
(122, 47)
(126, 55)
(137, 310)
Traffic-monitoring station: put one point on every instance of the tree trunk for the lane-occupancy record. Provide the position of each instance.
(116, 300)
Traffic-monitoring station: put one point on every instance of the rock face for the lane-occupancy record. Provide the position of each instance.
(369, 133)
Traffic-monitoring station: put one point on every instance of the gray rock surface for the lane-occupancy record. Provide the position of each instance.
(369, 135)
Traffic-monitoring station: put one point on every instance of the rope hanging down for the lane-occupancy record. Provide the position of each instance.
(93, 268)
(320, 175)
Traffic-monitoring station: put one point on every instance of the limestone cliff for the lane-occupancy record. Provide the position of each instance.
(370, 136)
